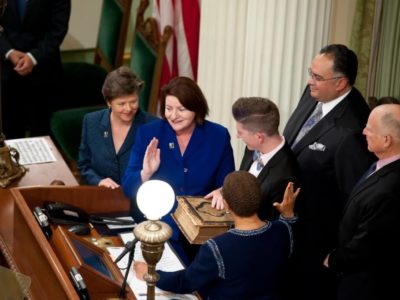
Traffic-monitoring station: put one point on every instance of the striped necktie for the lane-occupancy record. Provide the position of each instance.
(257, 157)
(311, 121)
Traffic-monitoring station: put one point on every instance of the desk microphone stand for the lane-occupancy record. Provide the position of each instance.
(129, 247)
(10, 168)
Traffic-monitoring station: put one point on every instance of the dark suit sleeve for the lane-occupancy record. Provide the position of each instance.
(85, 155)
(50, 44)
(5, 45)
(369, 241)
(351, 161)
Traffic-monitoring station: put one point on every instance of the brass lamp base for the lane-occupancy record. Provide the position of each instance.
(10, 168)
(152, 235)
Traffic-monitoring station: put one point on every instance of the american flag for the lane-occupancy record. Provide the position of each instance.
(182, 49)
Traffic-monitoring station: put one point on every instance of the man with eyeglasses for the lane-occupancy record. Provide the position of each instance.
(332, 154)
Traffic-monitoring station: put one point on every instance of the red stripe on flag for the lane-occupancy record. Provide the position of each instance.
(185, 39)
(191, 21)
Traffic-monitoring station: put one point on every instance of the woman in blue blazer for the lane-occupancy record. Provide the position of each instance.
(108, 134)
(191, 154)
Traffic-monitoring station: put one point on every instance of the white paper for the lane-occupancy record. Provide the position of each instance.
(169, 262)
(111, 226)
(32, 150)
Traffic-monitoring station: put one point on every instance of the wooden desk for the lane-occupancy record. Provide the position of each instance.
(24, 247)
(45, 173)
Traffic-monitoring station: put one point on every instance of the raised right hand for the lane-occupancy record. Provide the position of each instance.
(151, 160)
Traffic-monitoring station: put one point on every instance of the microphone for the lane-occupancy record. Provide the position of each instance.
(79, 284)
(43, 221)
(129, 246)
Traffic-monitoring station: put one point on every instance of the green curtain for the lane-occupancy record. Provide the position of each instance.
(387, 82)
(360, 40)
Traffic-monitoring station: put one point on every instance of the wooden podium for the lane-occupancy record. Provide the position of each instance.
(25, 249)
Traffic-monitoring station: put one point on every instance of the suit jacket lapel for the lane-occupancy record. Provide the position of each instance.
(12, 6)
(197, 137)
(371, 180)
(315, 133)
(273, 162)
(106, 133)
(28, 5)
(326, 123)
(299, 116)
(247, 160)
(129, 141)
(130, 138)
(171, 142)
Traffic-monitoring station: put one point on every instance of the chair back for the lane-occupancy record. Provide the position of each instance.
(147, 56)
(81, 86)
(66, 128)
(114, 22)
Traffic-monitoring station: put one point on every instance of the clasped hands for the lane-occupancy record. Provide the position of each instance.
(23, 64)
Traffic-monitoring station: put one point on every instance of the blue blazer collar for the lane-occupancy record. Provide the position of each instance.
(198, 135)
(105, 127)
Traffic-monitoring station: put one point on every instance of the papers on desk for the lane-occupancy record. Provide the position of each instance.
(32, 150)
(119, 227)
(169, 262)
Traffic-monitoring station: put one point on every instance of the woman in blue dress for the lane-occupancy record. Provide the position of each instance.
(246, 262)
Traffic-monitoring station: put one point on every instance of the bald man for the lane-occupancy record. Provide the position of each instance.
(368, 251)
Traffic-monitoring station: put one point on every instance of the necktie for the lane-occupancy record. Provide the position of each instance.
(311, 121)
(257, 157)
(21, 8)
(370, 170)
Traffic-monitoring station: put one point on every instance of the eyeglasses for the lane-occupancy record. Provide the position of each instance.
(319, 78)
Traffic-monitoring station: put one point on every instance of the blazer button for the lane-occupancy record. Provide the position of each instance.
(185, 170)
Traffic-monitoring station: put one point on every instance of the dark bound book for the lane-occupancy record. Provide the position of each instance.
(198, 221)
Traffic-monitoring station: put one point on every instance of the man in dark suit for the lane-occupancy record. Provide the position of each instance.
(267, 156)
(367, 253)
(31, 34)
(332, 156)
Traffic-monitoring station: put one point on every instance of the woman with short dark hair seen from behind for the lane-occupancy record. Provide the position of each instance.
(247, 261)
